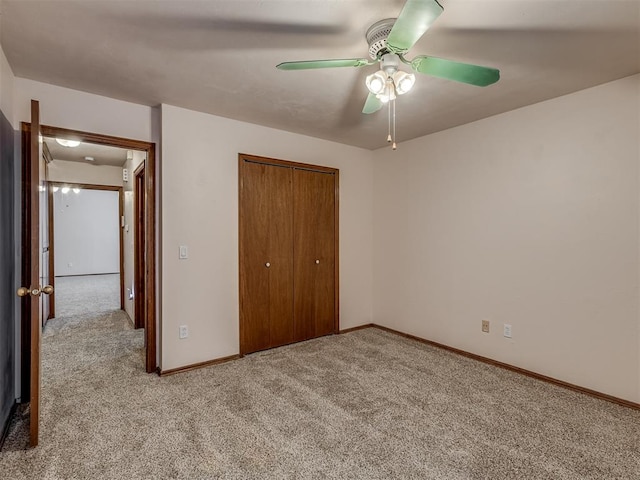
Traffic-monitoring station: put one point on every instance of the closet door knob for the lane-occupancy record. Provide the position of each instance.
(267, 264)
(317, 262)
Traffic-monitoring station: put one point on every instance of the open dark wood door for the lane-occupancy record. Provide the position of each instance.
(32, 306)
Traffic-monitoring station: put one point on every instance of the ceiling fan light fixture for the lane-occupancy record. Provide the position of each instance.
(389, 93)
(403, 81)
(67, 143)
(376, 82)
(389, 40)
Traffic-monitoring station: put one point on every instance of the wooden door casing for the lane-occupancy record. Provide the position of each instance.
(150, 226)
(45, 241)
(139, 238)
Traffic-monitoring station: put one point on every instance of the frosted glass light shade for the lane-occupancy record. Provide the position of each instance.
(404, 81)
(67, 143)
(389, 93)
(376, 82)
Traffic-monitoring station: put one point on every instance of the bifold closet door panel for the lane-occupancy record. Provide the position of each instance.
(314, 254)
(280, 256)
(266, 264)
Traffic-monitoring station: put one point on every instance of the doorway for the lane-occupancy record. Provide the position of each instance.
(148, 216)
(85, 237)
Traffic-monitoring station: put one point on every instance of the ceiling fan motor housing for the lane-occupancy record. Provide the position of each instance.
(377, 37)
(390, 63)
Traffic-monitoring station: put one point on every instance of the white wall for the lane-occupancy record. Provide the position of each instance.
(86, 232)
(528, 218)
(78, 172)
(129, 229)
(200, 210)
(66, 108)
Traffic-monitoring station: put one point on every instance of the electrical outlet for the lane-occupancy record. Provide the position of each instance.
(183, 331)
(485, 326)
(507, 330)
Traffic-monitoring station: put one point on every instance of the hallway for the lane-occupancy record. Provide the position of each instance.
(90, 343)
(84, 294)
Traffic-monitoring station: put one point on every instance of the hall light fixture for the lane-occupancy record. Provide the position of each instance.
(386, 84)
(66, 189)
(68, 143)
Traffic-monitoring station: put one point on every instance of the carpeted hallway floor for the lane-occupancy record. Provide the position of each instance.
(367, 405)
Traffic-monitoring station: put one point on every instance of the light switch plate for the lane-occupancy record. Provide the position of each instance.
(507, 330)
(184, 252)
(183, 331)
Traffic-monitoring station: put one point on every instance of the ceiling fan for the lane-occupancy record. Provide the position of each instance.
(389, 40)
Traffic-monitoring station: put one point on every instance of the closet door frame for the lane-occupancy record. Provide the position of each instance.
(248, 158)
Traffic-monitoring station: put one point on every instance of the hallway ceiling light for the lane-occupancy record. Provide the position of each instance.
(76, 190)
(67, 143)
(65, 189)
(55, 189)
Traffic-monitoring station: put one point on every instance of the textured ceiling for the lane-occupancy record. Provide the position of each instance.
(219, 56)
(102, 154)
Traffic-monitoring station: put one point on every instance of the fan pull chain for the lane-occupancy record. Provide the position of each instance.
(394, 146)
(389, 123)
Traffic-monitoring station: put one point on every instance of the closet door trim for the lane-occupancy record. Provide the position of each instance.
(286, 163)
(244, 158)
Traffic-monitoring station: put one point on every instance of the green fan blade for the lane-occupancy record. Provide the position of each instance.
(415, 18)
(372, 105)
(460, 72)
(309, 64)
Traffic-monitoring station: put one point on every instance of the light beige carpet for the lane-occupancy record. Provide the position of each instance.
(367, 405)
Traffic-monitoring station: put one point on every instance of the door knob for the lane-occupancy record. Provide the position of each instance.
(267, 264)
(317, 262)
(24, 291)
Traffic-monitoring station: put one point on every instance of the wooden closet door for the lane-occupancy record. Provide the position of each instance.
(314, 254)
(266, 263)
